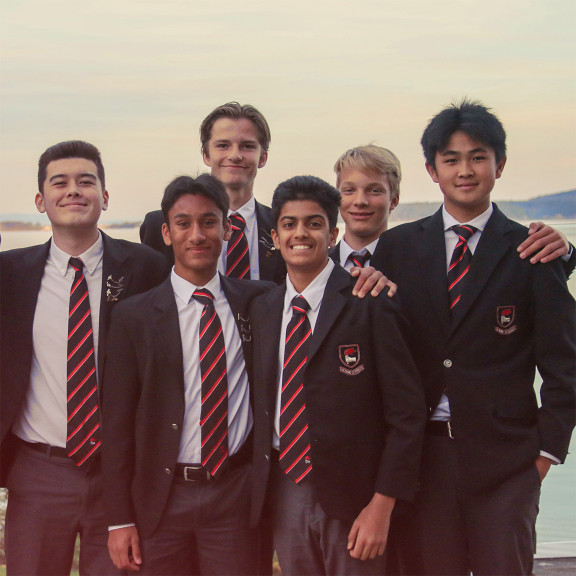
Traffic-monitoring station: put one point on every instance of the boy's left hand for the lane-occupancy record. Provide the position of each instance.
(371, 281)
(544, 243)
(369, 533)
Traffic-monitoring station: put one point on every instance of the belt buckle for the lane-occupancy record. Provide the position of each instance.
(449, 426)
(195, 469)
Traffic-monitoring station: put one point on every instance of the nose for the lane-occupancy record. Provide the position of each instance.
(360, 198)
(465, 169)
(301, 230)
(235, 154)
(72, 189)
(195, 234)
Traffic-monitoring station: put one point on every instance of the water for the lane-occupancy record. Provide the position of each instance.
(556, 524)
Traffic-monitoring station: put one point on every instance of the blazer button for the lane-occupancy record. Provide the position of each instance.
(447, 363)
(174, 426)
(168, 471)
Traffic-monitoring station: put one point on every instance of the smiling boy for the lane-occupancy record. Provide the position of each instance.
(482, 321)
(56, 302)
(339, 410)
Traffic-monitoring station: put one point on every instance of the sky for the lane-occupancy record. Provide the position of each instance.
(136, 78)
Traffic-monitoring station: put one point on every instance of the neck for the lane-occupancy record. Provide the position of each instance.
(196, 277)
(73, 241)
(466, 213)
(301, 279)
(357, 243)
(238, 197)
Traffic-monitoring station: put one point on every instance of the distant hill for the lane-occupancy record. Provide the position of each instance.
(551, 206)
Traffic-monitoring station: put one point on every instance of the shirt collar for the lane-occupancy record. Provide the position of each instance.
(248, 212)
(346, 250)
(479, 222)
(184, 289)
(91, 257)
(314, 292)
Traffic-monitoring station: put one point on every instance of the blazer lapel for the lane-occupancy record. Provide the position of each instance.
(490, 250)
(271, 322)
(266, 249)
(431, 254)
(332, 303)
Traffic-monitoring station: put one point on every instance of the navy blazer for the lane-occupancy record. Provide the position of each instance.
(513, 317)
(365, 419)
(143, 399)
(272, 266)
(21, 271)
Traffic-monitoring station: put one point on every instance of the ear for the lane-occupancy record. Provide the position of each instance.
(394, 202)
(500, 167)
(206, 159)
(166, 234)
(263, 160)
(106, 198)
(333, 237)
(39, 201)
(432, 171)
(227, 230)
(274, 235)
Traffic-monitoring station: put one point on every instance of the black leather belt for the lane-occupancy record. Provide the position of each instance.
(46, 449)
(198, 474)
(440, 428)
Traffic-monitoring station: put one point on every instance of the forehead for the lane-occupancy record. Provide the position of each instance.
(194, 206)
(461, 142)
(302, 209)
(234, 129)
(71, 167)
(353, 175)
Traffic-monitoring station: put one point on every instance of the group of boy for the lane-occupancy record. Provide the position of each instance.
(235, 409)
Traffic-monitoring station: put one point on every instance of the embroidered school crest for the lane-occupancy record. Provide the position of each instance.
(506, 320)
(244, 328)
(350, 359)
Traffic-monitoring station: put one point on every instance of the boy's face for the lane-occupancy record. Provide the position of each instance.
(234, 153)
(366, 204)
(196, 233)
(72, 194)
(466, 171)
(303, 236)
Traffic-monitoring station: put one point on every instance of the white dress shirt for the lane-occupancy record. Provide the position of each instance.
(313, 294)
(248, 212)
(239, 411)
(44, 412)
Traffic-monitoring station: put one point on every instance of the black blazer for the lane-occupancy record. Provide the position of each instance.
(143, 399)
(512, 318)
(272, 266)
(21, 274)
(365, 420)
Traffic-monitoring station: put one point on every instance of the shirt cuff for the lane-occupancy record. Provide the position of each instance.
(110, 528)
(553, 458)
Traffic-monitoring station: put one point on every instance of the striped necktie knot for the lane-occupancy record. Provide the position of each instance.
(360, 258)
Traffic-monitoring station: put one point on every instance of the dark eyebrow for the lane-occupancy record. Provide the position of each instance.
(454, 153)
(84, 175)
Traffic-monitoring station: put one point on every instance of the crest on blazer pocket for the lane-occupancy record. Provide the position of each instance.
(349, 355)
(506, 320)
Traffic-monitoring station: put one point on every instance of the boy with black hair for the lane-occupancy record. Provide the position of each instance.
(177, 404)
(482, 321)
(339, 410)
(56, 302)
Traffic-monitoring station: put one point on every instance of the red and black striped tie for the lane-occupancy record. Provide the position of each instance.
(460, 263)
(360, 258)
(213, 371)
(295, 457)
(238, 256)
(83, 430)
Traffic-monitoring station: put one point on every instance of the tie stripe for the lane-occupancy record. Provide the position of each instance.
(83, 427)
(237, 254)
(360, 258)
(459, 263)
(213, 373)
(294, 436)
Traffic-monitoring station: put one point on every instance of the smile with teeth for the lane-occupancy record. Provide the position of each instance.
(301, 247)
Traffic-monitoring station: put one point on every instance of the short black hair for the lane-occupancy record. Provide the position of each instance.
(470, 117)
(70, 149)
(204, 185)
(307, 188)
